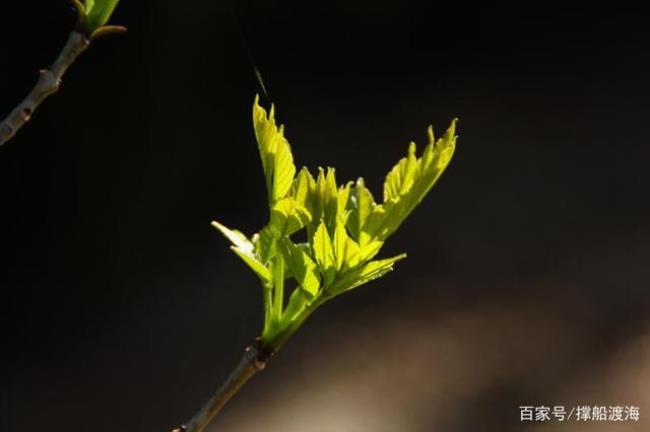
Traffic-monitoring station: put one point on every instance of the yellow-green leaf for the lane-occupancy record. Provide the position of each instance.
(343, 197)
(323, 198)
(301, 267)
(260, 269)
(275, 152)
(351, 254)
(400, 179)
(361, 204)
(369, 250)
(340, 243)
(244, 249)
(364, 274)
(302, 185)
(237, 238)
(324, 253)
(409, 182)
(288, 216)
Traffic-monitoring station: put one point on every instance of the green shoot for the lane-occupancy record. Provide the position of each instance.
(346, 228)
(93, 17)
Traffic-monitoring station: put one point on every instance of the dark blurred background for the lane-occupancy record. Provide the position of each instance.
(527, 281)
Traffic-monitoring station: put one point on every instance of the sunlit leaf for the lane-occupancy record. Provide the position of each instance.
(260, 269)
(244, 249)
(364, 274)
(369, 250)
(266, 244)
(345, 227)
(302, 267)
(324, 253)
(410, 181)
(322, 200)
(352, 256)
(302, 185)
(400, 179)
(361, 204)
(287, 217)
(343, 197)
(330, 196)
(340, 244)
(275, 152)
(237, 238)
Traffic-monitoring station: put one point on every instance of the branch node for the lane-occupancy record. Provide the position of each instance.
(48, 83)
(253, 361)
(262, 354)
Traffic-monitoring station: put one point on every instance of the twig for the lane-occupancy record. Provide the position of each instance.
(253, 361)
(48, 83)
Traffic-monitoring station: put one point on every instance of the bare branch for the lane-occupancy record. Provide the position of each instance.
(48, 83)
(253, 361)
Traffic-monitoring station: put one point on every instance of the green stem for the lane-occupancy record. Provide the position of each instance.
(268, 303)
(278, 287)
(273, 345)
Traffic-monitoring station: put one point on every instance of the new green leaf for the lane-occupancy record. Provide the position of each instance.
(324, 253)
(244, 249)
(345, 227)
(275, 152)
(409, 182)
(364, 274)
(361, 205)
(98, 12)
(287, 217)
(302, 267)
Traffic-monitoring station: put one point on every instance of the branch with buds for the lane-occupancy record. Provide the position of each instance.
(92, 18)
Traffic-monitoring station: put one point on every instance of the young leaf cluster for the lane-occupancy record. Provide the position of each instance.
(345, 226)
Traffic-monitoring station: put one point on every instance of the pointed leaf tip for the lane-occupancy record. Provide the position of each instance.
(451, 130)
(430, 135)
(275, 153)
(236, 237)
(244, 248)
